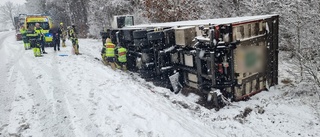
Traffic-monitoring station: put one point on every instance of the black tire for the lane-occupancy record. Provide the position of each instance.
(140, 34)
(155, 36)
(143, 43)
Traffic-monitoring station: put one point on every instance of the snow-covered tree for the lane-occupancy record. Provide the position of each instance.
(7, 13)
(172, 10)
(36, 6)
(101, 12)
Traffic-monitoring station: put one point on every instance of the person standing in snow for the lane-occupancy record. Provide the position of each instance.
(109, 57)
(63, 35)
(34, 39)
(103, 53)
(121, 54)
(56, 32)
(39, 31)
(74, 38)
(23, 32)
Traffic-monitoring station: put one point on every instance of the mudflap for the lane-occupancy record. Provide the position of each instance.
(174, 80)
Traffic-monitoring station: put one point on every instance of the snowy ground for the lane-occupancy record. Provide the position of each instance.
(78, 96)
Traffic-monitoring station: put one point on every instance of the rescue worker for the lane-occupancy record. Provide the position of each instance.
(110, 54)
(74, 39)
(56, 32)
(103, 53)
(39, 30)
(23, 32)
(121, 54)
(34, 39)
(63, 35)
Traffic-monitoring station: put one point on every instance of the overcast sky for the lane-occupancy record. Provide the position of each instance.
(13, 1)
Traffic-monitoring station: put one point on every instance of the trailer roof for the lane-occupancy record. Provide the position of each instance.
(204, 22)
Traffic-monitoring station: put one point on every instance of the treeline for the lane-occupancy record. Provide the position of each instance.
(299, 18)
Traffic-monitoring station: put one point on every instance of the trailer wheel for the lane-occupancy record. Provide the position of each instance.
(143, 43)
(140, 34)
(155, 35)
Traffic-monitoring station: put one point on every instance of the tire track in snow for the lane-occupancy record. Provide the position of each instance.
(52, 124)
(7, 95)
(79, 75)
(74, 104)
(9, 55)
(3, 37)
(67, 103)
(23, 122)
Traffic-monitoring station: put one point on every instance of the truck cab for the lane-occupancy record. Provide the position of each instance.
(121, 21)
(118, 22)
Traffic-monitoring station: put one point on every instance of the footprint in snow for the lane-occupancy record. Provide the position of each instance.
(118, 129)
(108, 120)
(140, 133)
(89, 128)
(91, 94)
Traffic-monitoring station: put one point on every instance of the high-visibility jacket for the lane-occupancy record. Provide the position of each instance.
(110, 49)
(122, 55)
(38, 30)
(32, 34)
(63, 32)
(71, 33)
(23, 31)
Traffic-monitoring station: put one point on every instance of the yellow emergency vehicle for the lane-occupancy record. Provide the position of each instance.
(45, 23)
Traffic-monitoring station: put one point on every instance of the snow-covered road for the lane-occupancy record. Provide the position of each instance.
(77, 96)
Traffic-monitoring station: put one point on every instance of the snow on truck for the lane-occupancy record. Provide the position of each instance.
(223, 59)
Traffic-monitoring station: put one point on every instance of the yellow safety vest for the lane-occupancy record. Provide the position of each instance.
(122, 55)
(23, 31)
(110, 48)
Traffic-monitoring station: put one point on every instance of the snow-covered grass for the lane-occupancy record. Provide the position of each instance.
(78, 96)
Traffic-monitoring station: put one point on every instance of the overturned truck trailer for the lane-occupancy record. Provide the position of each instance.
(228, 58)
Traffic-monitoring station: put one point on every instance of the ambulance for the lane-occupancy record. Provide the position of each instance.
(44, 21)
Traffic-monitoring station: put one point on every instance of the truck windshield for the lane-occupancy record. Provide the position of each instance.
(44, 25)
(128, 21)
